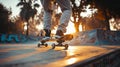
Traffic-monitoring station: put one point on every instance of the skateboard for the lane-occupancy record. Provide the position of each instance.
(59, 41)
(43, 43)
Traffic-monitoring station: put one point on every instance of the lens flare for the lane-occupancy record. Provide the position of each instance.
(70, 28)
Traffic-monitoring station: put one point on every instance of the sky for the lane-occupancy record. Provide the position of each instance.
(15, 10)
(12, 4)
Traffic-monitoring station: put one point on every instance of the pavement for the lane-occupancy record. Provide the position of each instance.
(29, 55)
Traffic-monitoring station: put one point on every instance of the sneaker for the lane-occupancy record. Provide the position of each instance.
(47, 34)
(59, 34)
(45, 38)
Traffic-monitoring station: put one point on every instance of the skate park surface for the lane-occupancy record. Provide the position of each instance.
(32, 56)
(90, 52)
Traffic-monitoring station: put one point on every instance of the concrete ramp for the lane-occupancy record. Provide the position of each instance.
(97, 37)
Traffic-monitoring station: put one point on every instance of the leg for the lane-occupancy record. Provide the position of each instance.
(66, 9)
(47, 16)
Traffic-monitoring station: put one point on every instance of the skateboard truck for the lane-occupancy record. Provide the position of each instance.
(43, 42)
(60, 43)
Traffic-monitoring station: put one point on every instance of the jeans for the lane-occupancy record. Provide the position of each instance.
(66, 14)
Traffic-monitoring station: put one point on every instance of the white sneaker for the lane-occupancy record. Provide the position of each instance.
(59, 34)
(58, 37)
(46, 38)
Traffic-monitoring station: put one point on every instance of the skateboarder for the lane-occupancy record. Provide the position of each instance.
(66, 13)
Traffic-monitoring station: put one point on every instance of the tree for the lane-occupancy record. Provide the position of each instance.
(4, 21)
(77, 9)
(109, 8)
(27, 11)
(18, 25)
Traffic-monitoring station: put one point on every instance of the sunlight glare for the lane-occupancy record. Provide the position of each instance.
(71, 51)
(70, 28)
(25, 26)
(77, 2)
(80, 27)
(71, 60)
(54, 30)
(112, 23)
(40, 26)
(88, 12)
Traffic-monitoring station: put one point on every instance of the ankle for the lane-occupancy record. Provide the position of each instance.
(59, 33)
(47, 32)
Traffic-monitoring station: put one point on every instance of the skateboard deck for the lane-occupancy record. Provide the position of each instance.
(59, 41)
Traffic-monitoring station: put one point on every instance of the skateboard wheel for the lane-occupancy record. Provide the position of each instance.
(39, 44)
(66, 46)
(53, 46)
(46, 45)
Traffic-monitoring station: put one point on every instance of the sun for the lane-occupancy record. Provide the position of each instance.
(70, 28)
